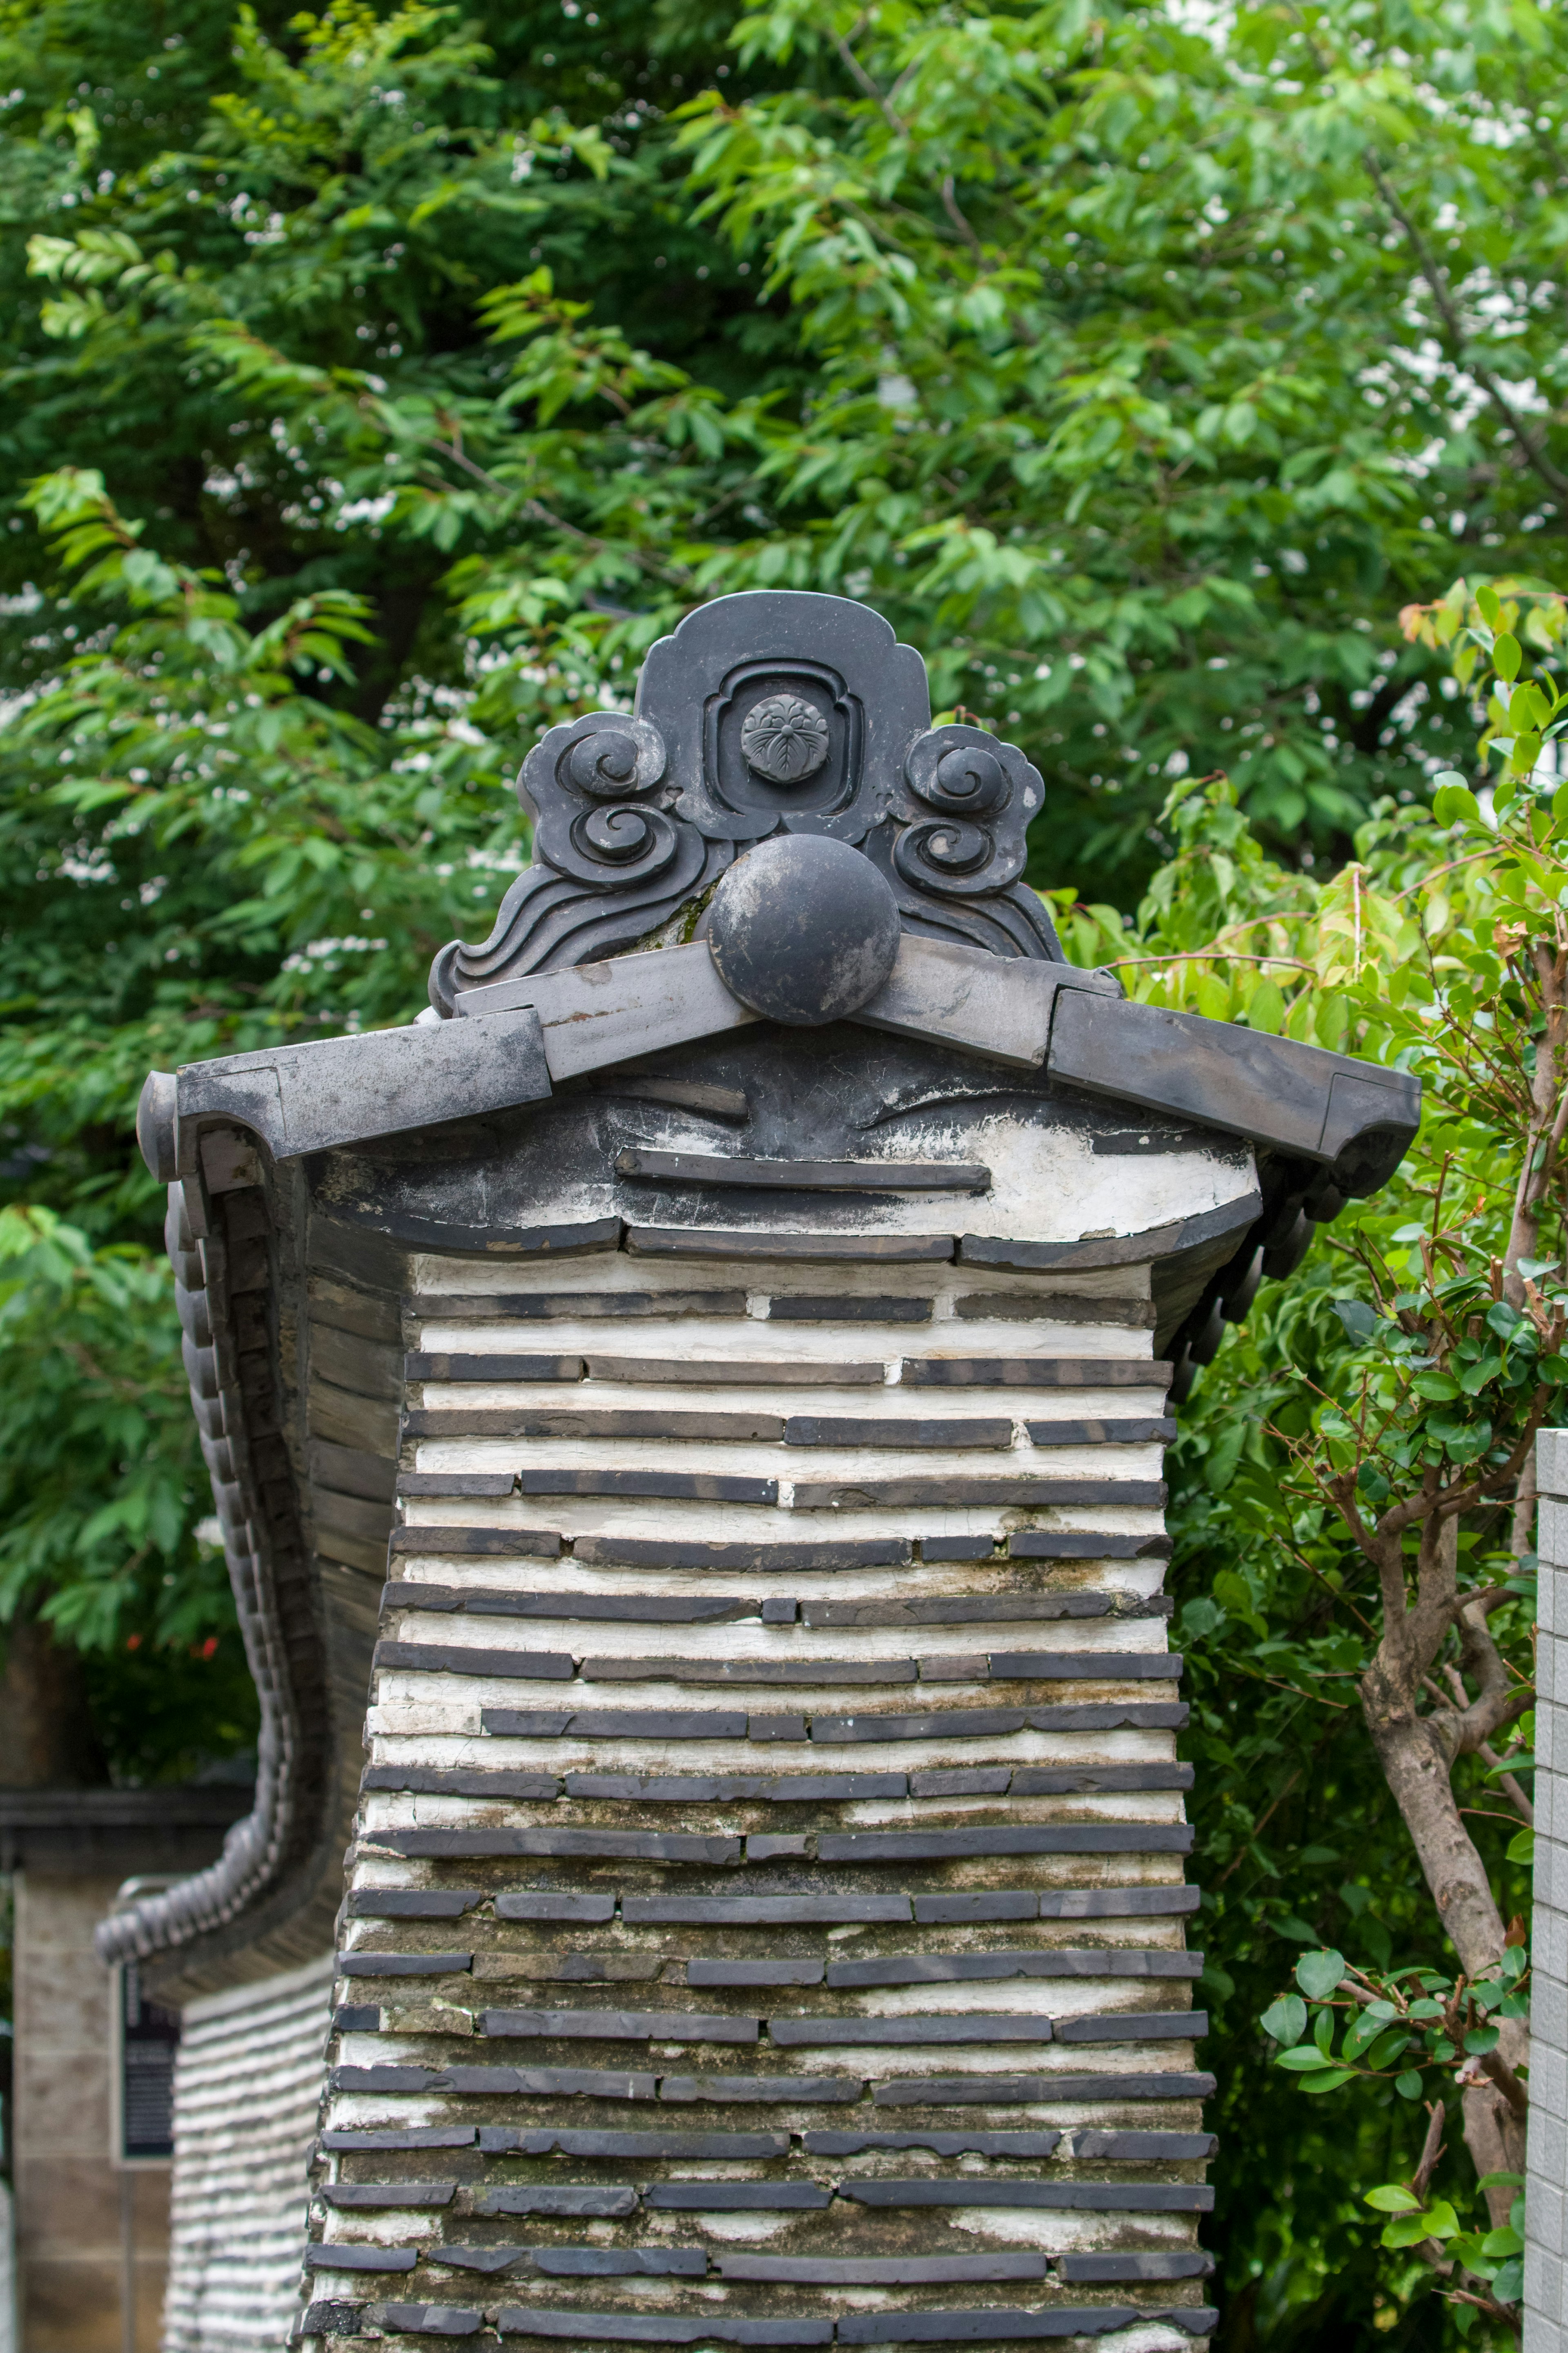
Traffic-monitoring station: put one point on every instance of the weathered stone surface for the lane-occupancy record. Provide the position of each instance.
(737, 2196)
(940, 2144)
(450, 1659)
(362, 2259)
(631, 1846)
(557, 2198)
(885, 2271)
(530, 1906)
(621, 2263)
(368, 1902)
(619, 2025)
(435, 1540)
(996, 1723)
(813, 2091)
(399, 2137)
(648, 2328)
(962, 2026)
(639, 2147)
(348, 2196)
(1075, 2196)
(427, 2319)
(402, 1965)
(944, 1969)
(1010, 2090)
(1064, 1838)
(1034, 1372)
(763, 1911)
(991, 2323)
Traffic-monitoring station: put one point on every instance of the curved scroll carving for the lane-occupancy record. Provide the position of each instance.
(593, 786)
(982, 793)
(960, 820)
(612, 860)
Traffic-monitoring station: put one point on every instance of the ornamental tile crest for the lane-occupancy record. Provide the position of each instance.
(825, 730)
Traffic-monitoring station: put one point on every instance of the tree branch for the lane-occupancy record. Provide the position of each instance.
(1426, 264)
(1495, 2067)
(1239, 1857)
(1511, 1788)
(1544, 1131)
(1499, 1700)
(674, 576)
(960, 222)
(1431, 2151)
(897, 124)
(893, 120)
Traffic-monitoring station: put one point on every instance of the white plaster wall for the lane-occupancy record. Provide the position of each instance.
(248, 2090)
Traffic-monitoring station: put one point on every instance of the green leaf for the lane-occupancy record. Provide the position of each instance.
(1467, 2249)
(1266, 1008)
(1305, 2059)
(1505, 655)
(1329, 2082)
(1318, 1974)
(1386, 2049)
(1393, 2198)
(1409, 2085)
(1522, 1847)
(1407, 2231)
(1285, 2020)
(1220, 1470)
(1453, 804)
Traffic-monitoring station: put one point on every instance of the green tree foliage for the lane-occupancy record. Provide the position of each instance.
(1355, 1563)
(382, 382)
(101, 1498)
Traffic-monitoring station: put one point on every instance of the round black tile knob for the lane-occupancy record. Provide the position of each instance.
(804, 929)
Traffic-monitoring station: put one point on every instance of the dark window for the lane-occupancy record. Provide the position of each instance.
(149, 2040)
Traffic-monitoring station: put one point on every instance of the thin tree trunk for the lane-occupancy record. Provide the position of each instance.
(1412, 1753)
(47, 1739)
(1543, 1135)
(1521, 1531)
(1495, 2138)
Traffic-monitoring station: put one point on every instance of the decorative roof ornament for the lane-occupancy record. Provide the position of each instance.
(825, 732)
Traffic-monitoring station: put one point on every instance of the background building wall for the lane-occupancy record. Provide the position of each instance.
(248, 2091)
(91, 2237)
